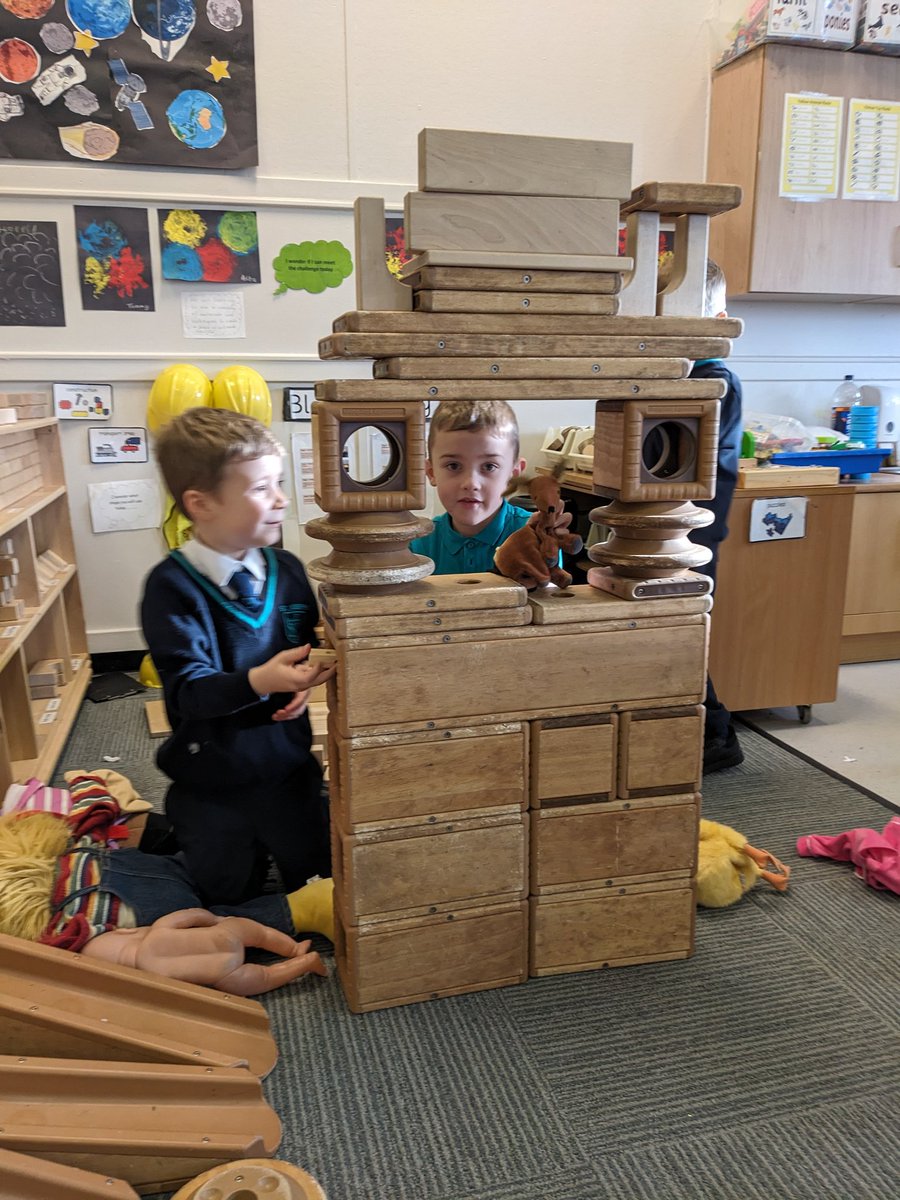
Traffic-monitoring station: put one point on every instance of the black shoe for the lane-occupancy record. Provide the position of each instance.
(719, 753)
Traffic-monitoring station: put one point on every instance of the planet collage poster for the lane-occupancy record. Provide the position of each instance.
(159, 82)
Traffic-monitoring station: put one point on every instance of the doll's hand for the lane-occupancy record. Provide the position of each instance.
(288, 671)
(196, 946)
(295, 707)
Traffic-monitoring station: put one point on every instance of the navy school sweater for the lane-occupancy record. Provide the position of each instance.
(203, 646)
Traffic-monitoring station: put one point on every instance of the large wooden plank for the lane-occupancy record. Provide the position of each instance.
(488, 279)
(520, 224)
(432, 388)
(458, 677)
(392, 345)
(473, 618)
(509, 260)
(441, 323)
(581, 603)
(520, 303)
(677, 199)
(463, 160)
(498, 367)
(434, 595)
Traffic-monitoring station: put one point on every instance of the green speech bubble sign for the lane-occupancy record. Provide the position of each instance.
(311, 266)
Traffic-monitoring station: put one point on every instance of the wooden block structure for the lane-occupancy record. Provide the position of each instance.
(524, 799)
(26, 406)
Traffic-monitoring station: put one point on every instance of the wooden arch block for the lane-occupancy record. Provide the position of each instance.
(398, 485)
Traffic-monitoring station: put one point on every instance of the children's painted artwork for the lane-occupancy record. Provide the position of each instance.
(107, 445)
(209, 245)
(666, 247)
(30, 281)
(311, 266)
(82, 401)
(114, 259)
(395, 251)
(166, 82)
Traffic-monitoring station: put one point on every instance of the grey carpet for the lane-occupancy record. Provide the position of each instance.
(765, 1066)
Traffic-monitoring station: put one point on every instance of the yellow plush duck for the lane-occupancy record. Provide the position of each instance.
(728, 866)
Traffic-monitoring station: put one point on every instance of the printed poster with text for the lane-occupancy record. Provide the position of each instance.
(810, 146)
(872, 160)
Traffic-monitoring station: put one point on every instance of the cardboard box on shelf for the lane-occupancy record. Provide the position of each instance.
(878, 27)
(826, 23)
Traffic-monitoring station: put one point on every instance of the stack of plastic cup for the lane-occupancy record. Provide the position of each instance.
(862, 424)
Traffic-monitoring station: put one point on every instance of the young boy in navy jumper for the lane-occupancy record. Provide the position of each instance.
(229, 621)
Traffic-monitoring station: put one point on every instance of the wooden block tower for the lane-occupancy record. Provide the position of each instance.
(515, 776)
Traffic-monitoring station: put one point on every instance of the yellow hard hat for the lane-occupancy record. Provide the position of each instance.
(174, 391)
(148, 674)
(243, 390)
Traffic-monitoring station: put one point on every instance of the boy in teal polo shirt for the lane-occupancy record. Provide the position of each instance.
(473, 457)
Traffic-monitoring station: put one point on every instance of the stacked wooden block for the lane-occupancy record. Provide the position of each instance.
(45, 678)
(20, 467)
(11, 607)
(24, 406)
(514, 778)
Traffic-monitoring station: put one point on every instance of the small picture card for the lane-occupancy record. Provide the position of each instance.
(117, 445)
(297, 402)
(778, 520)
(82, 401)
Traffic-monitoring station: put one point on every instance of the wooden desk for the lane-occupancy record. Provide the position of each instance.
(871, 628)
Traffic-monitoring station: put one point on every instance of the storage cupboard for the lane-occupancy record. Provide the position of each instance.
(773, 247)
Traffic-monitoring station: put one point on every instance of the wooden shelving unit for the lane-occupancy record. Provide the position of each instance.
(36, 538)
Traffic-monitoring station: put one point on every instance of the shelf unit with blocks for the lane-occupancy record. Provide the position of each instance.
(44, 664)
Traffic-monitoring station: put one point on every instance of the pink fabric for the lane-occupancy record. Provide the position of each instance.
(875, 855)
(34, 796)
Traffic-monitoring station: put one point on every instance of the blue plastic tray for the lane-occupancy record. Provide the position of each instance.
(849, 462)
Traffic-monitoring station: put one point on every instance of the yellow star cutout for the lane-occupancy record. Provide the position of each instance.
(218, 69)
(84, 41)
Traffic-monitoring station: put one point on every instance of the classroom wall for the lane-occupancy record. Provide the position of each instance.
(343, 90)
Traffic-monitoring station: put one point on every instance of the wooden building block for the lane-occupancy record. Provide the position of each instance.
(461, 160)
(46, 671)
(768, 477)
(8, 416)
(622, 926)
(473, 618)
(323, 655)
(516, 302)
(13, 611)
(512, 224)
(512, 261)
(573, 758)
(421, 869)
(527, 345)
(157, 719)
(43, 691)
(436, 595)
(499, 279)
(26, 1177)
(684, 290)
(54, 1002)
(253, 1179)
(376, 287)
(638, 296)
(445, 954)
(153, 1125)
(660, 752)
(401, 484)
(583, 603)
(455, 386)
(9, 564)
(648, 450)
(413, 778)
(676, 199)
(460, 676)
(601, 845)
(642, 327)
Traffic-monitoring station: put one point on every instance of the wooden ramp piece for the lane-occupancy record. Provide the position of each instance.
(24, 1177)
(154, 1125)
(54, 1002)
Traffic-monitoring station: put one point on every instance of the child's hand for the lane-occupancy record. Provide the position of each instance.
(295, 707)
(288, 671)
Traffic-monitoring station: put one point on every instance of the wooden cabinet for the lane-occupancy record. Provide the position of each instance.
(42, 632)
(871, 629)
(775, 633)
(774, 247)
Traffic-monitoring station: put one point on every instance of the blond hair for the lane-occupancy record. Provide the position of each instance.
(30, 846)
(715, 297)
(195, 447)
(473, 416)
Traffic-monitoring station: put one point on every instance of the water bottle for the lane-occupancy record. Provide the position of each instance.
(845, 395)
